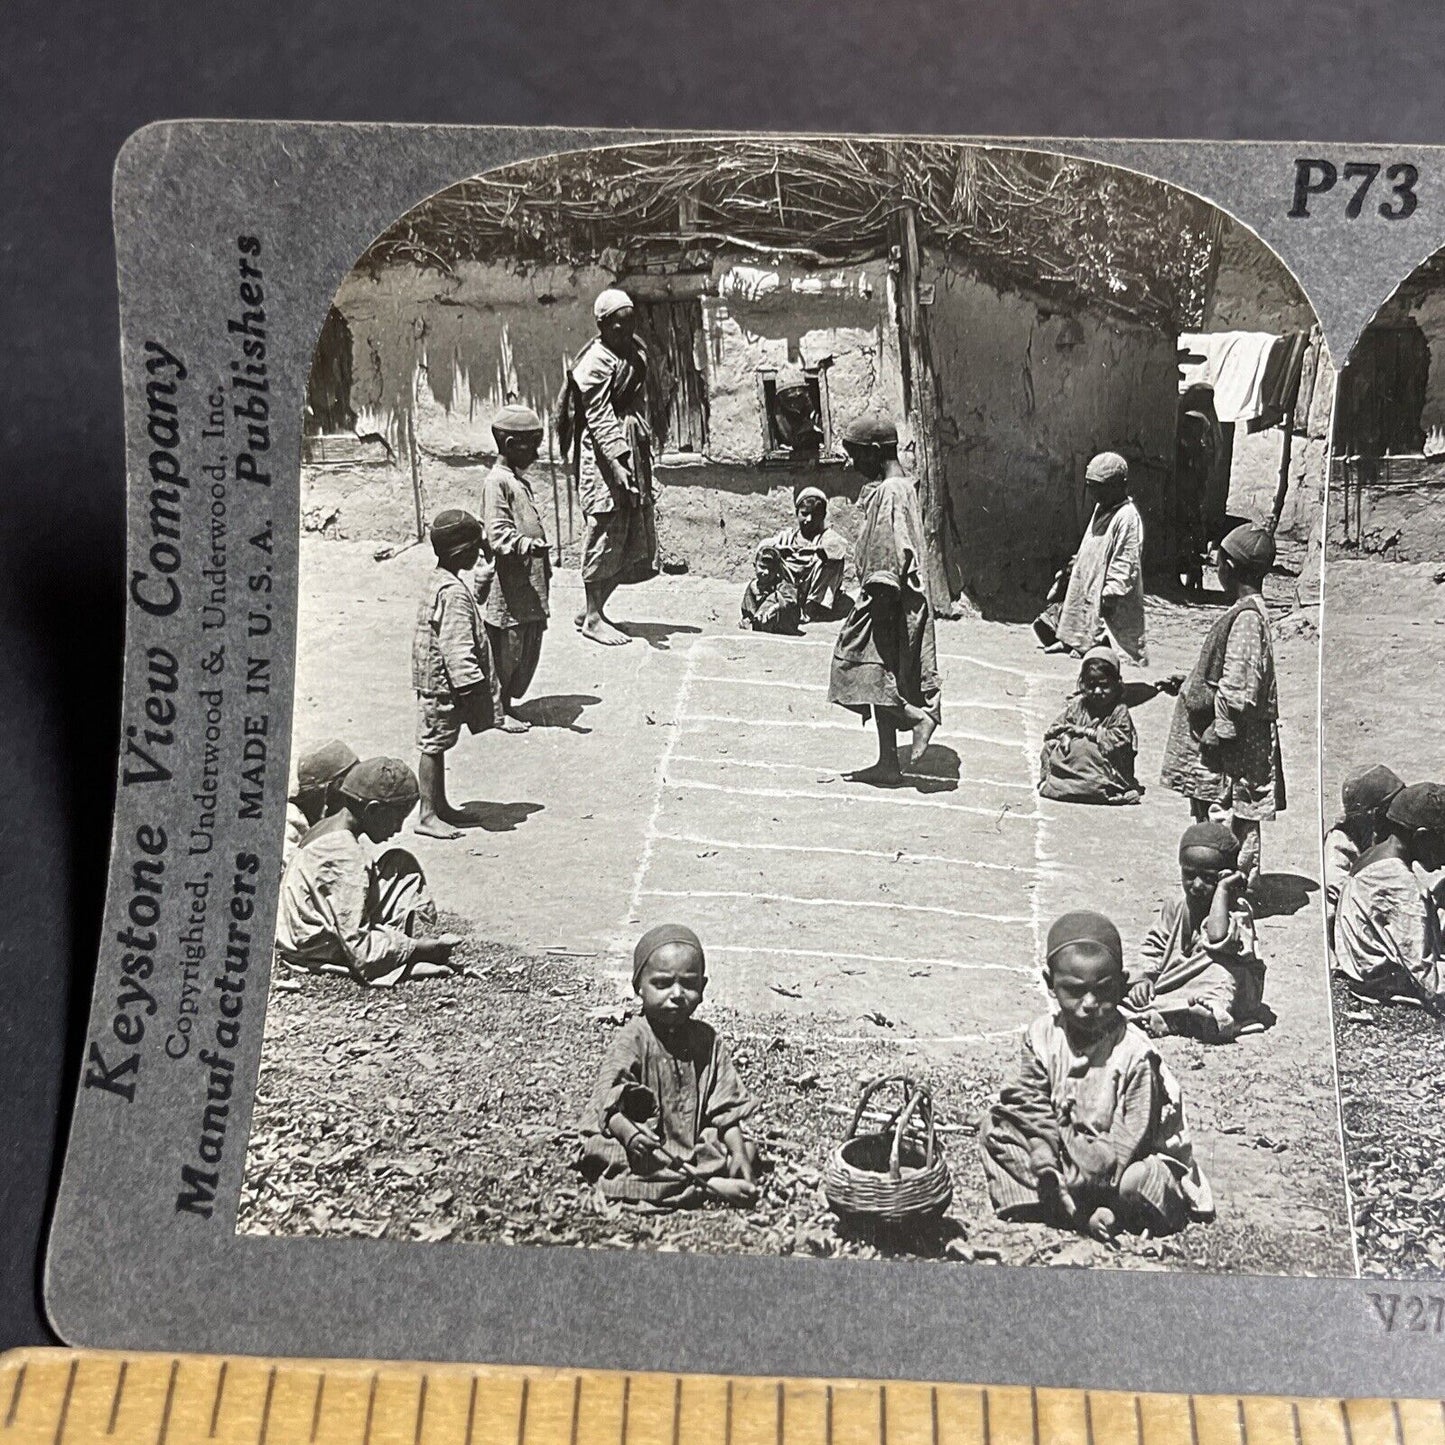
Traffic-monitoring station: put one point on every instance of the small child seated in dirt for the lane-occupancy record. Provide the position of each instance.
(1201, 973)
(1089, 750)
(1388, 941)
(344, 911)
(1365, 795)
(770, 603)
(664, 1124)
(314, 797)
(1090, 1133)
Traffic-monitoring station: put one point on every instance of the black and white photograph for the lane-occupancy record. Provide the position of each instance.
(1384, 817)
(806, 714)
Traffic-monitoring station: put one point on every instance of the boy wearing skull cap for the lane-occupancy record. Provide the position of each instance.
(1090, 1131)
(885, 659)
(1364, 796)
(814, 555)
(606, 398)
(517, 604)
(314, 796)
(1387, 932)
(668, 1080)
(1104, 604)
(1223, 749)
(344, 910)
(451, 668)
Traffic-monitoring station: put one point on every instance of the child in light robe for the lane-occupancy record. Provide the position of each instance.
(685, 1072)
(314, 797)
(1365, 795)
(344, 910)
(814, 555)
(1388, 943)
(770, 602)
(1090, 1132)
(1201, 974)
(1089, 750)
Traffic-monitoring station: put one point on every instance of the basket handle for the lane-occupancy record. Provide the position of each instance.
(869, 1090)
(921, 1102)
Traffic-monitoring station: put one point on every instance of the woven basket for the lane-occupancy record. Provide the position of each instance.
(896, 1174)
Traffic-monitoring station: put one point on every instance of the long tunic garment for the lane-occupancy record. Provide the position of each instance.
(815, 565)
(452, 671)
(1096, 1113)
(344, 911)
(518, 600)
(698, 1097)
(1109, 566)
(885, 655)
(1202, 989)
(1098, 768)
(1387, 932)
(621, 538)
(1233, 686)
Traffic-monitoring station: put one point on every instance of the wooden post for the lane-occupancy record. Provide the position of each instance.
(921, 398)
(411, 448)
(1282, 489)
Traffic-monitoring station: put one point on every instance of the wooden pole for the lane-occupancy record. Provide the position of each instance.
(921, 398)
(1282, 489)
(556, 500)
(415, 474)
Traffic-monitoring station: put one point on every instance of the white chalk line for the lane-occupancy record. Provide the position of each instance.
(649, 833)
(815, 769)
(896, 856)
(898, 1040)
(1032, 747)
(757, 637)
(879, 958)
(753, 896)
(887, 797)
(832, 725)
(963, 705)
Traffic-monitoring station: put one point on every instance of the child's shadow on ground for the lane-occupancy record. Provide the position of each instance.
(657, 634)
(499, 817)
(561, 711)
(1282, 894)
(937, 771)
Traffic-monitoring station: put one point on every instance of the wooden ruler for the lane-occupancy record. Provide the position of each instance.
(83, 1396)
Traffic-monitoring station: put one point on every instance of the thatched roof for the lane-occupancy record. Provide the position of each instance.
(1095, 234)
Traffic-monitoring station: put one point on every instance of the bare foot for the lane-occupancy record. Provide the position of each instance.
(435, 827)
(1055, 1199)
(578, 620)
(1103, 1225)
(923, 730)
(604, 632)
(510, 723)
(880, 775)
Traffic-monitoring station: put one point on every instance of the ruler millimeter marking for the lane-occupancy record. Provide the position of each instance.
(85, 1397)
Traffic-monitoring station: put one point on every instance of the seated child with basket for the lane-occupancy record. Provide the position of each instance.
(1090, 1133)
(1089, 749)
(1201, 973)
(664, 1123)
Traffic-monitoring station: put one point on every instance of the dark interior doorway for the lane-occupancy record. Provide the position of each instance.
(328, 388)
(1382, 393)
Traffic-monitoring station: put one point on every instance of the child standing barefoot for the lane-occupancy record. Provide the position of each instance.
(451, 669)
(667, 1110)
(1090, 1133)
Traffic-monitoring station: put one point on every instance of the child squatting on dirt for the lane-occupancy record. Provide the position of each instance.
(343, 910)
(315, 797)
(1090, 1132)
(664, 1124)
(1089, 749)
(452, 671)
(1201, 974)
(1364, 795)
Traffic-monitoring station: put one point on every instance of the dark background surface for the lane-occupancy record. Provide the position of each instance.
(76, 79)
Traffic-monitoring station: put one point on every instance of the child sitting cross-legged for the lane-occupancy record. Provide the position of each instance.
(664, 1124)
(314, 796)
(1201, 974)
(1365, 796)
(1089, 750)
(770, 601)
(1090, 1132)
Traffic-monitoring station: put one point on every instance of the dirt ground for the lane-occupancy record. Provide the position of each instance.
(697, 774)
(1386, 646)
